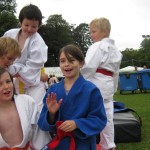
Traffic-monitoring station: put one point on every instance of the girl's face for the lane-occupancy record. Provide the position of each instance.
(6, 87)
(6, 60)
(96, 33)
(29, 27)
(70, 68)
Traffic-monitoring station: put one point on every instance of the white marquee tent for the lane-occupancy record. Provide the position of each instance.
(54, 71)
(130, 69)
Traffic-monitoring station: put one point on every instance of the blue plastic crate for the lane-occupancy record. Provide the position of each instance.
(145, 79)
(128, 81)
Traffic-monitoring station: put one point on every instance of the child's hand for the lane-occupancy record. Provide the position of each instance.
(52, 104)
(44, 77)
(68, 126)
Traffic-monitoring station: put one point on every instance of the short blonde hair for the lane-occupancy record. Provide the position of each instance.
(102, 23)
(9, 46)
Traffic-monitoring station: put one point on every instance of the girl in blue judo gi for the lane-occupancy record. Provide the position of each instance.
(73, 108)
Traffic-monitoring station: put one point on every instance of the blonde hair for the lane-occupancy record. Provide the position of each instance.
(102, 23)
(9, 46)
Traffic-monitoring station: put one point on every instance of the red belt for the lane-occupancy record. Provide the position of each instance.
(105, 72)
(59, 136)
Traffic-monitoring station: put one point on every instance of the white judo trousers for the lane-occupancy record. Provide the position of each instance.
(107, 135)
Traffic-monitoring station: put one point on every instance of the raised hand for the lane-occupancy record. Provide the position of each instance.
(52, 104)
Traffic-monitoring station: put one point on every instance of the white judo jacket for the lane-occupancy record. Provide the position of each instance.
(28, 115)
(33, 57)
(103, 55)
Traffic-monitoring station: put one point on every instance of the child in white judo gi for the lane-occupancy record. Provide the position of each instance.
(102, 63)
(27, 68)
(18, 118)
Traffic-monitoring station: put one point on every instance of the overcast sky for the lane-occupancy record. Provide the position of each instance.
(130, 19)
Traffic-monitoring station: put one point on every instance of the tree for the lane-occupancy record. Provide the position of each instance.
(130, 57)
(56, 33)
(8, 6)
(81, 37)
(7, 18)
(145, 49)
(145, 45)
(145, 52)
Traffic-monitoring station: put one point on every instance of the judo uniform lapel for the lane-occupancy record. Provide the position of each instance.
(71, 102)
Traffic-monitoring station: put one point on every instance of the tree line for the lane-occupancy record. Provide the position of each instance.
(57, 32)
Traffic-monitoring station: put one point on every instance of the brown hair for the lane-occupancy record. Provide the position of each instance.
(72, 50)
(31, 12)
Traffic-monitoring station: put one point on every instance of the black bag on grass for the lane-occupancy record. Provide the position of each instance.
(127, 125)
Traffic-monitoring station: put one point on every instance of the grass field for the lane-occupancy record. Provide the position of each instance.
(140, 102)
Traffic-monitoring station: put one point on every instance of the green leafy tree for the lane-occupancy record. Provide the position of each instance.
(56, 33)
(8, 6)
(145, 45)
(81, 36)
(7, 18)
(130, 57)
(145, 52)
(145, 49)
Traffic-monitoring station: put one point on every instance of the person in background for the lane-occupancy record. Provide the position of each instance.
(55, 79)
(135, 68)
(144, 67)
(51, 80)
(102, 63)
(74, 106)
(29, 68)
(17, 118)
(9, 51)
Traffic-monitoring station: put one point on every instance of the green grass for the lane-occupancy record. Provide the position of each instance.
(140, 102)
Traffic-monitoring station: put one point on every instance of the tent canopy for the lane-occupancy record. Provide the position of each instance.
(130, 69)
(54, 71)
